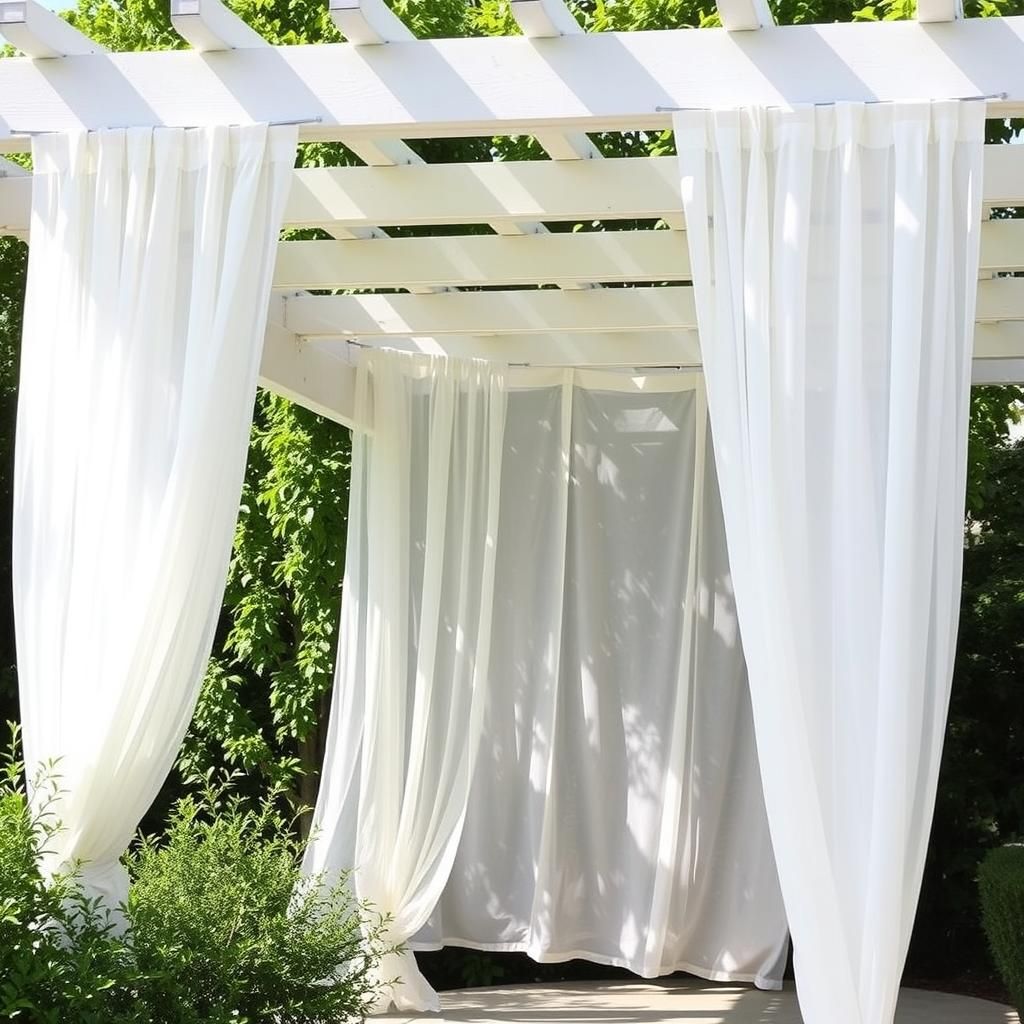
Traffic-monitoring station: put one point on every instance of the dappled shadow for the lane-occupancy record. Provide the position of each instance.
(692, 1002)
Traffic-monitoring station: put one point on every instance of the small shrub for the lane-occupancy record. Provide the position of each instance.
(1002, 903)
(60, 959)
(225, 931)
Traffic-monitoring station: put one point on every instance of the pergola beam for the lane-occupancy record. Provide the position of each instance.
(642, 188)
(544, 19)
(311, 375)
(630, 310)
(482, 193)
(499, 86)
(368, 22)
(744, 15)
(209, 25)
(38, 32)
(930, 12)
(320, 377)
(563, 259)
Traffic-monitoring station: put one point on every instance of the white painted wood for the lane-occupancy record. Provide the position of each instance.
(449, 87)
(567, 145)
(504, 194)
(487, 193)
(311, 375)
(993, 343)
(651, 348)
(496, 193)
(38, 32)
(396, 152)
(9, 169)
(540, 19)
(15, 203)
(604, 310)
(209, 25)
(318, 375)
(519, 312)
(744, 15)
(997, 371)
(368, 22)
(932, 11)
(561, 259)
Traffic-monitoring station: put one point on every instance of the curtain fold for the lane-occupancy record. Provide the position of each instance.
(149, 275)
(614, 808)
(616, 813)
(835, 261)
(416, 630)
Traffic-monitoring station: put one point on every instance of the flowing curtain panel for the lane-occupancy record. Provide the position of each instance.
(149, 275)
(416, 627)
(835, 260)
(615, 809)
(616, 812)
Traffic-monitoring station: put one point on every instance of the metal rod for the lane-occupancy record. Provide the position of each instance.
(832, 103)
(186, 127)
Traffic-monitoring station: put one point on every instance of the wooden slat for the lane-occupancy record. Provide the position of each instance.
(929, 12)
(632, 310)
(35, 30)
(312, 375)
(744, 15)
(318, 375)
(507, 193)
(524, 312)
(368, 22)
(499, 86)
(561, 259)
(209, 25)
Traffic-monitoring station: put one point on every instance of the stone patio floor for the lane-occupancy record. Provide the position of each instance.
(680, 1002)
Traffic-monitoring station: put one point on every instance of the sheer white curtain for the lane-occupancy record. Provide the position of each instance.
(149, 275)
(416, 629)
(615, 811)
(835, 258)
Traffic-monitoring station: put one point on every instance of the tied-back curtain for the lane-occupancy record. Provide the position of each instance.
(149, 275)
(835, 261)
(417, 617)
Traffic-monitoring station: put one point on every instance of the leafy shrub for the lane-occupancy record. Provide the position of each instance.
(1001, 881)
(60, 960)
(225, 930)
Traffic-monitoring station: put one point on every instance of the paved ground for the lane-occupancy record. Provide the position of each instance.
(693, 1002)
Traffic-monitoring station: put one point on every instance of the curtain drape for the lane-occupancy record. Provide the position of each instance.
(835, 257)
(615, 811)
(416, 629)
(149, 275)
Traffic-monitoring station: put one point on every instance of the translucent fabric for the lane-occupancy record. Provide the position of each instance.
(615, 811)
(835, 261)
(415, 639)
(149, 276)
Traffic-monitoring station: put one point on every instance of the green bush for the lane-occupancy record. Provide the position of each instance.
(60, 960)
(1001, 881)
(225, 930)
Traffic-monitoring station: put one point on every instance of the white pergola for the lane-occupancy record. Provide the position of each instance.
(554, 83)
(826, 523)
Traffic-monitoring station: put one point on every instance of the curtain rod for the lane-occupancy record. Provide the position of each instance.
(832, 103)
(186, 127)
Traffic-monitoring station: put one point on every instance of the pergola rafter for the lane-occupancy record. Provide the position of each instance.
(384, 86)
